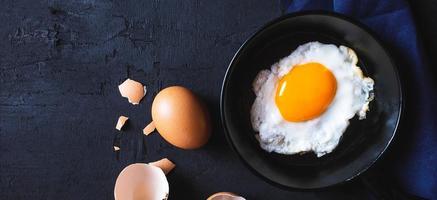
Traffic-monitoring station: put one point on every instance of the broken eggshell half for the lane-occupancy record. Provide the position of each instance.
(225, 196)
(132, 90)
(141, 181)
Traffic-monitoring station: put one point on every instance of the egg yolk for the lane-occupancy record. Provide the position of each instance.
(305, 92)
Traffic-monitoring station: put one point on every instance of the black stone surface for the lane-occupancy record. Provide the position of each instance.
(60, 65)
(425, 15)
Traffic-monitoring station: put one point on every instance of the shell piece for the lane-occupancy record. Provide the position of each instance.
(132, 90)
(141, 181)
(181, 118)
(121, 121)
(225, 196)
(165, 164)
(149, 128)
(116, 148)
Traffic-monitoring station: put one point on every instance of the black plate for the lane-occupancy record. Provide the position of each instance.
(364, 140)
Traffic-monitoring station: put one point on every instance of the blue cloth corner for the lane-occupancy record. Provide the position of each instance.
(414, 154)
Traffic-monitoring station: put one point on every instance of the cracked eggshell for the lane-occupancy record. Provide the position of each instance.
(165, 164)
(132, 90)
(149, 128)
(121, 121)
(141, 181)
(225, 196)
(181, 118)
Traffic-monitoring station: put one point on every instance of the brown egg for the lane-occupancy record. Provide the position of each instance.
(181, 118)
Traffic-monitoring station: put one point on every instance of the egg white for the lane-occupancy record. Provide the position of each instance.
(322, 134)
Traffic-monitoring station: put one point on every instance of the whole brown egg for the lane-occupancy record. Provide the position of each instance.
(181, 118)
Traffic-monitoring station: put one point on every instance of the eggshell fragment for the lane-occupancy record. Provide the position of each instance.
(181, 118)
(165, 164)
(121, 121)
(149, 128)
(141, 181)
(132, 90)
(225, 196)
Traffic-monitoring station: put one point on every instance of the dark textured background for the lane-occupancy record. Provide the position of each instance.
(61, 63)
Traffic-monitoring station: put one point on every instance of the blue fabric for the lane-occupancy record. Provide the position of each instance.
(413, 157)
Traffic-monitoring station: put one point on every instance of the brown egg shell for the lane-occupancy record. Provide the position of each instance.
(149, 128)
(141, 181)
(225, 196)
(165, 164)
(121, 121)
(133, 90)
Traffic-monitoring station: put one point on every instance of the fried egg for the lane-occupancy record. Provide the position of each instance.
(305, 101)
